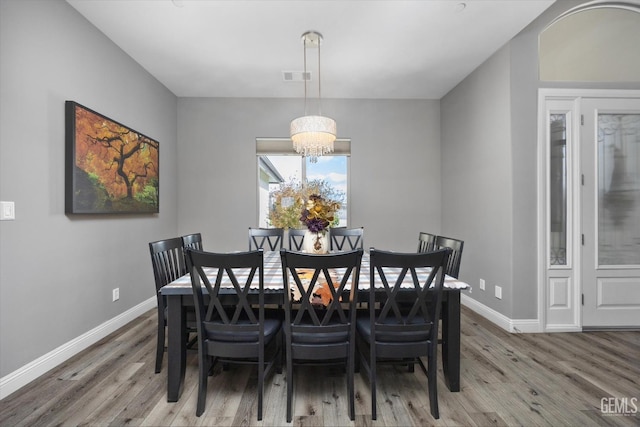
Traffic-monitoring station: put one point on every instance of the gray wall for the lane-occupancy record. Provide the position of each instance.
(57, 271)
(395, 165)
(476, 180)
(512, 240)
(48, 54)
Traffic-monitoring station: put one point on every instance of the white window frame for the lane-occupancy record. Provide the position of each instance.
(284, 147)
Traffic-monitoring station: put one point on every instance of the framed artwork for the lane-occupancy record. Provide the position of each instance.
(110, 168)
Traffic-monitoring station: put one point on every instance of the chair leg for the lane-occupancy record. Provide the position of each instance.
(191, 342)
(203, 373)
(282, 345)
(260, 383)
(433, 381)
(372, 382)
(411, 367)
(350, 386)
(160, 346)
(289, 384)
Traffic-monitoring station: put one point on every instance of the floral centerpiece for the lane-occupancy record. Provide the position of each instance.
(318, 215)
(290, 198)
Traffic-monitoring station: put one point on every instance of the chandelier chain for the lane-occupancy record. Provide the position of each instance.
(319, 81)
(304, 54)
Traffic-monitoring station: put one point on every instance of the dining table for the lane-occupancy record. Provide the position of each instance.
(179, 296)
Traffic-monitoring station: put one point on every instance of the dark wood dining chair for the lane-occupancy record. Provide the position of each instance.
(192, 241)
(230, 328)
(269, 239)
(426, 242)
(168, 260)
(296, 239)
(404, 327)
(456, 246)
(346, 239)
(319, 328)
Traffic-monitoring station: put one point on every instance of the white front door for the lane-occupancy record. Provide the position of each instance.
(610, 212)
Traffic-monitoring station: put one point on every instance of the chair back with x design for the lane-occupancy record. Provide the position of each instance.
(408, 287)
(346, 239)
(296, 239)
(230, 328)
(269, 239)
(319, 324)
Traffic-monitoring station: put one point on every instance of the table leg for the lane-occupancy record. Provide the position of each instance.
(176, 348)
(451, 340)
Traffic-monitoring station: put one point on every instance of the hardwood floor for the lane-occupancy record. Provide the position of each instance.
(507, 379)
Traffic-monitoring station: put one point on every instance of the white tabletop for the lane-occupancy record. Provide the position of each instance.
(273, 277)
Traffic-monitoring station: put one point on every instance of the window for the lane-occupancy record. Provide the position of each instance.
(558, 189)
(279, 166)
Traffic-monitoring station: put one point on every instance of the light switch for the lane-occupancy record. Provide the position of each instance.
(7, 211)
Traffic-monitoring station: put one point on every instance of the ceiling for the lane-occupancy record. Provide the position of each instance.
(391, 49)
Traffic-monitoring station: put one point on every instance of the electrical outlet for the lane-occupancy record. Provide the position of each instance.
(498, 292)
(7, 211)
(116, 294)
(482, 284)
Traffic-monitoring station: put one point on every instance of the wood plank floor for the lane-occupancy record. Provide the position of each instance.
(507, 379)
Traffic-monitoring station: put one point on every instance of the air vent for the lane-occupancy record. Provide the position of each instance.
(296, 76)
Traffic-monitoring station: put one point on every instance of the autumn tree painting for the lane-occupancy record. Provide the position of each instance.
(111, 168)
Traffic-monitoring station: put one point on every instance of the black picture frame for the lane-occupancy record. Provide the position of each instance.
(109, 167)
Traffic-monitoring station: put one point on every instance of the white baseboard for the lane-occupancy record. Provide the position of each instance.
(29, 372)
(510, 325)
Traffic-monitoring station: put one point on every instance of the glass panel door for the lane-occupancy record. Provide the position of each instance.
(618, 189)
(610, 159)
(558, 189)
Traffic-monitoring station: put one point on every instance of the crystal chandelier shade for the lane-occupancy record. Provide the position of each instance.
(312, 135)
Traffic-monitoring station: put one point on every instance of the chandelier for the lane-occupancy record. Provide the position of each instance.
(312, 136)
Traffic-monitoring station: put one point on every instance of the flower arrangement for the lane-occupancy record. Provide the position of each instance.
(289, 200)
(318, 214)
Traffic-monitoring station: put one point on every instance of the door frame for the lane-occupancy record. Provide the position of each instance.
(566, 316)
